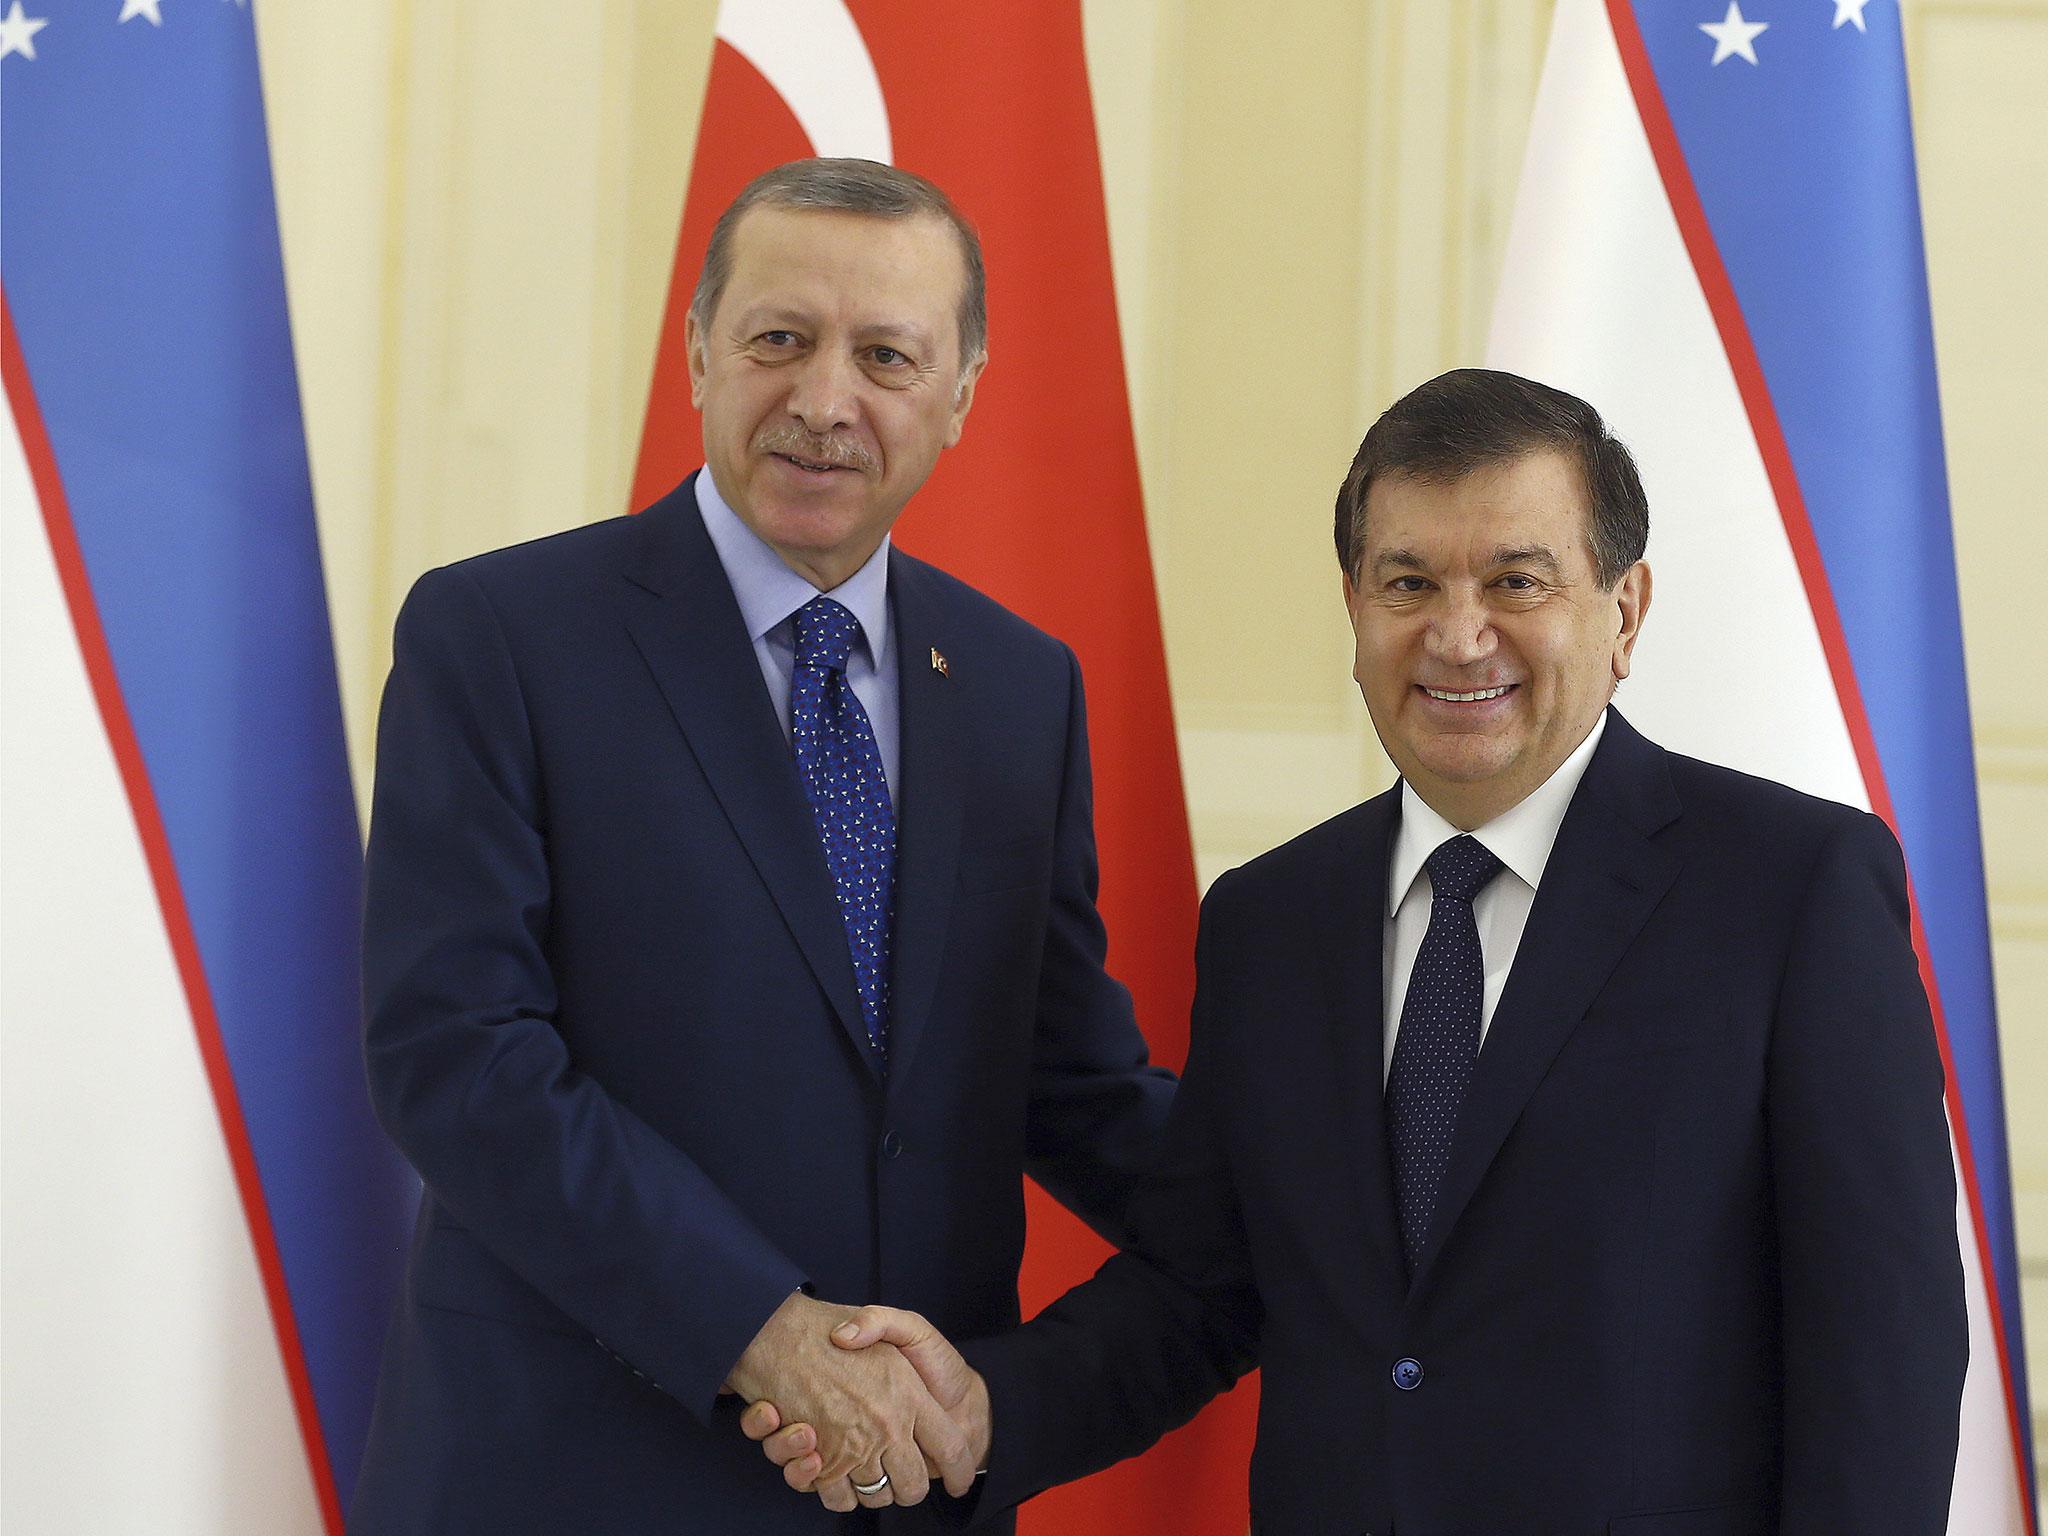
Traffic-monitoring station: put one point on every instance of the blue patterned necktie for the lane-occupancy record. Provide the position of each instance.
(1439, 1040)
(841, 770)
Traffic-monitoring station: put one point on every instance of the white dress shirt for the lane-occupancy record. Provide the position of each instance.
(1520, 837)
(769, 593)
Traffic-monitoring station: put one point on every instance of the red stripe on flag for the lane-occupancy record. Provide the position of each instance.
(1040, 507)
(1777, 457)
(163, 872)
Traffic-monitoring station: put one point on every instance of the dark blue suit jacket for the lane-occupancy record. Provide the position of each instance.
(612, 1022)
(1699, 1273)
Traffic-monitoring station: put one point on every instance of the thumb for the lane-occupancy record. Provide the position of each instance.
(936, 1361)
(880, 1325)
(944, 1372)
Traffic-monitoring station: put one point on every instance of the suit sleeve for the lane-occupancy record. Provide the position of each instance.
(605, 1218)
(1161, 1328)
(1875, 1333)
(1097, 1105)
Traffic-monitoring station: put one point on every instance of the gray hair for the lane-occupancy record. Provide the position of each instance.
(849, 186)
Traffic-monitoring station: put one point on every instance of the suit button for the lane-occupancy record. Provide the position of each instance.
(892, 1145)
(1407, 1374)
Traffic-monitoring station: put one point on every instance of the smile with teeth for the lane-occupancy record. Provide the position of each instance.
(815, 466)
(1475, 697)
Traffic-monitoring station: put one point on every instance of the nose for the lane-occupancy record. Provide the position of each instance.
(1460, 632)
(822, 392)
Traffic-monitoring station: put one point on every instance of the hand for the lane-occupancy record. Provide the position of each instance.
(866, 1410)
(954, 1385)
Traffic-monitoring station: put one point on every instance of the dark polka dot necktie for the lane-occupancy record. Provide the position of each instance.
(1439, 1040)
(841, 770)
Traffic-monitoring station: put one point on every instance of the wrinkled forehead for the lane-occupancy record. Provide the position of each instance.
(828, 256)
(1534, 503)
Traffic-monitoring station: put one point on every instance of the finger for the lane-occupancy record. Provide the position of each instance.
(802, 1474)
(874, 1325)
(959, 1478)
(838, 1496)
(787, 1445)
(872, 1473)
(945, 1444)
(760, 1420)
(957, 1481)
(908, 1481)
(839, 1462)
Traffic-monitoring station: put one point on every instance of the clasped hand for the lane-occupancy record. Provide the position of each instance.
(840, 1397)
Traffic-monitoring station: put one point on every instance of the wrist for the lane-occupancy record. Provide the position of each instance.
(749, 1376)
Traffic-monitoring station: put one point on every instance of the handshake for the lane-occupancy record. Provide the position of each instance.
(862, 1406)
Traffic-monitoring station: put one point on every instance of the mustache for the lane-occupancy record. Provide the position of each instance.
(840, 452)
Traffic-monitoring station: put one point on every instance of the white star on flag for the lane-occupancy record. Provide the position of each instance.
(146, 9)
(18, 31)
(1851, 10)
(1733, 37)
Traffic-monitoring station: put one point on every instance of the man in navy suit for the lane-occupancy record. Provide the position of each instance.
(731, 945)
(1562, 1132)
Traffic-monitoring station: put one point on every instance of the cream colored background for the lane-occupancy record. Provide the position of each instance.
(1307, 202)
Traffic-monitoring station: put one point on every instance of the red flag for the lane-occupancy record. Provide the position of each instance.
(1039, 505)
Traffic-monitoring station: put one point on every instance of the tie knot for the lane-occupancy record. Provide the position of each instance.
(824, 634)
(1460, 868)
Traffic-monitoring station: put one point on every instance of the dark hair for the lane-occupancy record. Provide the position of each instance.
(848, 186)
(1476, 418)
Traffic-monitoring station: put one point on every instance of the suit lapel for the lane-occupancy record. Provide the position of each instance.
(689, 630)
(1353, 904)
(1604, 878)
(931, 746)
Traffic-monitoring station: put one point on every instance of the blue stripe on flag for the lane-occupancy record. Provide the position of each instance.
(1804, 164)
(139, 248)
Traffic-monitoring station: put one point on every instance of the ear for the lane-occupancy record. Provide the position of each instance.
(693, 352)
(963, 397)
(1352, 598)
(1632, 598)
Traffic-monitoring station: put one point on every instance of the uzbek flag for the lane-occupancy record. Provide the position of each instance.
(203, 1227)
(1717, 242)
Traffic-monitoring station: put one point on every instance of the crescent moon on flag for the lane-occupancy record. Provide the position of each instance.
(812, 53)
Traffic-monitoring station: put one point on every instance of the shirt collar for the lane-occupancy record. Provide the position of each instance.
(768, 591)
(1521, 837)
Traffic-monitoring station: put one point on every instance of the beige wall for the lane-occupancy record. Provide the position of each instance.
(1307, 202)
(1982, 129)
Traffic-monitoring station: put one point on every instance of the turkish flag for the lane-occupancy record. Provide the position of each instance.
(1039, 505)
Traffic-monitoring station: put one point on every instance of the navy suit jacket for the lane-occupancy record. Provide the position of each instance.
(612, 1022)
(1698, 1270)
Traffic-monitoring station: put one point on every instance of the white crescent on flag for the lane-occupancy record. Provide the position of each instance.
(812, 53)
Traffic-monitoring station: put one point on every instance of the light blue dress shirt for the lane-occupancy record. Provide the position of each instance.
(769, 592)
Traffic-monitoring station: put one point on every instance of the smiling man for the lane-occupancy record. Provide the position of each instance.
(833, 355)
(731, 943)
(1562, 1131)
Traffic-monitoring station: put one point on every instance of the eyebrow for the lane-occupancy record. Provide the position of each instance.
(889, 332)
(911, 334)
(771, 315)
(1526, 554)
(1507, 554)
